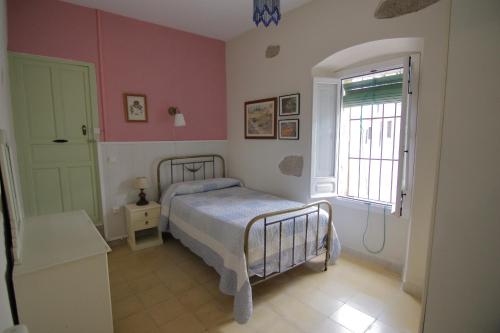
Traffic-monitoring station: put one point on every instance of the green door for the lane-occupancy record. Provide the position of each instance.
(54, 118)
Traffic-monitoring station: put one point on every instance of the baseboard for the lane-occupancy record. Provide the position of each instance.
(116, 242)
(396, 268)
(116, 238)
(412, 289)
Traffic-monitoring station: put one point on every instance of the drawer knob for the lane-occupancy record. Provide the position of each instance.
(147, 222)
(145, 213)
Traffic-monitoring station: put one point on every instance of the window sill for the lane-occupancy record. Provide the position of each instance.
(363, 205)
(354, 203)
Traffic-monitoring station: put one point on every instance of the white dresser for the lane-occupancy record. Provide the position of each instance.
(62, 283)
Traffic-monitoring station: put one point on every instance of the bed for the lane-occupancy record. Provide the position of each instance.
(247, 236)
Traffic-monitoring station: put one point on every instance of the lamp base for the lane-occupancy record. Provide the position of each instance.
(142, 199)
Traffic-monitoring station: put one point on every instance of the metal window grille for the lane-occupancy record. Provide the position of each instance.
(369, 151)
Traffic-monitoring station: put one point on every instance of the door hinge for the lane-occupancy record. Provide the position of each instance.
(401, 201)
(409, 76)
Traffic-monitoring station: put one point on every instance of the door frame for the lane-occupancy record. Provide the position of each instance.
(94, 118)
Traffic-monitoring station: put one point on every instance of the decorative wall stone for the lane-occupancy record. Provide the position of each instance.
(292, 165)
(272, 51)
(394, 8)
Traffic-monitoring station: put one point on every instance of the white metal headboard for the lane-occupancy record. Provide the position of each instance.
(189, 167)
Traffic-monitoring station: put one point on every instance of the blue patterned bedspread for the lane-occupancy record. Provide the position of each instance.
(210, 217)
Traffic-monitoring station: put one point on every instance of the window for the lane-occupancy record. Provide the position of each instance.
(362, 130)
(370, 123)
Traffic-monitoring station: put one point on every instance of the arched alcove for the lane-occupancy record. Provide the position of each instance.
(373, 51)
(356, 57)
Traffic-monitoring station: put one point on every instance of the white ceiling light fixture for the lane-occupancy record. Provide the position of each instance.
(394, 8)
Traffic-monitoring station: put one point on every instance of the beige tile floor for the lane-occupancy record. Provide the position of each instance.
(169, 289)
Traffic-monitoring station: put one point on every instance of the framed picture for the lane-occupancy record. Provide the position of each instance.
(260, 119)
(288, 129)
(289, 105)
(135, 107)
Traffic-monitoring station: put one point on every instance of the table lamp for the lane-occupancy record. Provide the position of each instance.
(141, 183)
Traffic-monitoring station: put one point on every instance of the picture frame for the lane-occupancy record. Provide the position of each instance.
(289, 129)
(136, 107)
(261, 119)
(289, 105)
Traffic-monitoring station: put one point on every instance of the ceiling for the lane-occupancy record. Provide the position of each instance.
(220, 19)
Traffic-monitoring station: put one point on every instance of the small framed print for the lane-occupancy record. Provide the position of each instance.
(289, 105)
(260, 119)
(288, 129)
(135, 107)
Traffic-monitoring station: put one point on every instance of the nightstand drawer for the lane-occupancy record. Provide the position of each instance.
(144, 223)
(146, 214)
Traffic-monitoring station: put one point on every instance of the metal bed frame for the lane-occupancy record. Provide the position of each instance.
(194, 167)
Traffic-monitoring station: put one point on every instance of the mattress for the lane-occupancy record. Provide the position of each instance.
(234, 207)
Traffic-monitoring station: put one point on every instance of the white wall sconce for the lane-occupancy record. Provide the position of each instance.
(179, 120)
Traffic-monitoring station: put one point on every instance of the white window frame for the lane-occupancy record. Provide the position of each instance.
(407, 150)
(320, 186)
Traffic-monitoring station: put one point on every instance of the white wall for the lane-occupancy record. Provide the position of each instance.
(464, 276)
(6, 124)
(121, 162)
(350, 222)
(307, 36)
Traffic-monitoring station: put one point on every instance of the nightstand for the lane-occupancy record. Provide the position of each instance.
(143, 225)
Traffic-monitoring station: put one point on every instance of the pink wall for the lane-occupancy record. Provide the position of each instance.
(170, 66)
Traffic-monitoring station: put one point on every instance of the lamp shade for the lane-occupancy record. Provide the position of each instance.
(141, 182)
(266, 11)
(179, 120)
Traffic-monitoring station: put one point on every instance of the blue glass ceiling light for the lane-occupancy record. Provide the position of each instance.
(266, 11)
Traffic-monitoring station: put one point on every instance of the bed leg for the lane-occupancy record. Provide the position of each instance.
(327, 257)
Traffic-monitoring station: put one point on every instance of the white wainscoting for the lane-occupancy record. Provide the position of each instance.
(121, 162)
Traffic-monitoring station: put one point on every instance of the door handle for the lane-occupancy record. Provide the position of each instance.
(60, 141)
(84, 129)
